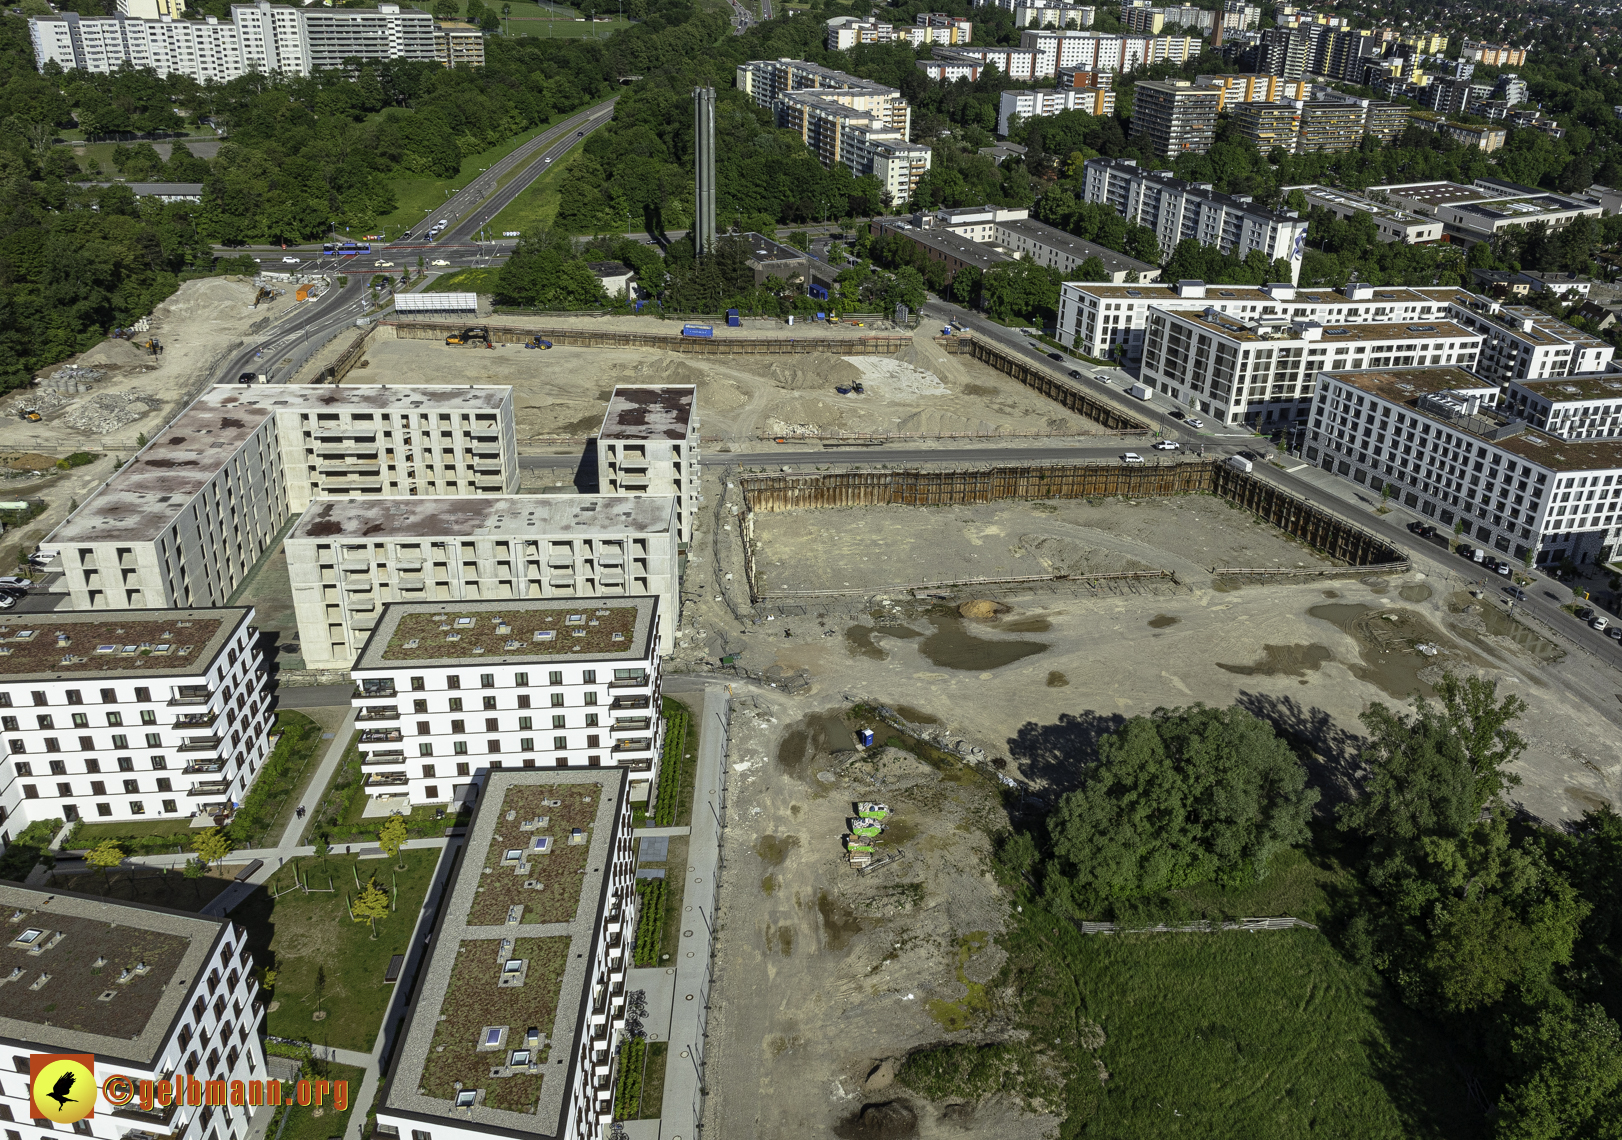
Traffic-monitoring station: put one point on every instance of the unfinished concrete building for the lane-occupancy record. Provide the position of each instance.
(347, 558)
(187, 518)
(649, 446)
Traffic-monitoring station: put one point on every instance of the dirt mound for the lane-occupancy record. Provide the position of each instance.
(982, 609)
(1066, 556)
(889, 768)
(892, 1120)
(932, 422)
(210, 298)
(816, 370)
(121, 353)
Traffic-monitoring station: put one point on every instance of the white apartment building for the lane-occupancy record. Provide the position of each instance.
(977, 223)
(446, 694)
(348, 558)
(1035, 14)
(862, 124)
(1109, 320)
(1523, 343)
(1041, 104)
(548, 1070)
(134, 715)
(1056, 249)
(1390, 223)
(1104, 51)
(846, 32)
(184, 521)
(153, 994)
(1253, 88)
(648, 445)
(262, 37)
(1176, 210)
(1572, 407)
(968, 63)
(1262, 370)
(1449, 455)
(150, 9)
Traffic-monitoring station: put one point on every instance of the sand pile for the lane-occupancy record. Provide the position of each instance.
(895, 379)
(213, 298)
(983, 609)
(1066, 556)
(813, 371)
(927, 356)
(118, 353)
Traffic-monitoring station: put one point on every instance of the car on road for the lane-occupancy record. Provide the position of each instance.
(1074, 374)
(1507, 569)
(1178, 414)
(9, 600)
(290, 261)
(440, 261)
(1515, 592)
(1194, 423)
(245, 377)
(16, 583)
(1131, 457)
(1168, 445)
(1056, 356)
(1615, 631)
(1600, 623)
(1423, 530)
(384, 264)
(1584, 613)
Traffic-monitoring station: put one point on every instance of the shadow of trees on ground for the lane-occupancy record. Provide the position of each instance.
(1058, 755)
(1330, 752)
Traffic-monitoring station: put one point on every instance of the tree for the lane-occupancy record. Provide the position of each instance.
(391, 837)
(1181, 796)
(104, 856)
(446, 9)
(1573, 1083)
(1092, 270)
(1433, 772)
(371, 904)
(211, 846)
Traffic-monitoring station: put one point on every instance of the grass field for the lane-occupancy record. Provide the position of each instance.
(537, 206)
(465, 281)
(323, 959)
(312, 1123)
(135, 838)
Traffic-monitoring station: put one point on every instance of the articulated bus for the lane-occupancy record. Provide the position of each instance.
(346, 249)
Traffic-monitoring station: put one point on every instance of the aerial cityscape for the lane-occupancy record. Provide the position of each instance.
(757, 569)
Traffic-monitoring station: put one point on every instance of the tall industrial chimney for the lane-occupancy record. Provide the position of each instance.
(704, 168)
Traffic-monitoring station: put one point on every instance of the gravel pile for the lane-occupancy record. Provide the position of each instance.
(108, 411)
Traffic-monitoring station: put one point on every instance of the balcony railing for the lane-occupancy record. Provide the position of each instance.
(211, 788)
(632, 724)
(379, 712)
(382, 756)
(200, 744)
(202, 767)
(375, 689)
(190, 695)
(628, 682)
(196, 720)
(385, 780)
(380, 736)
(620, 703)
(634, 744)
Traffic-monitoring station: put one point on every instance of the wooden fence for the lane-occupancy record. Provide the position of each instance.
(719, 345)
(1056, 388)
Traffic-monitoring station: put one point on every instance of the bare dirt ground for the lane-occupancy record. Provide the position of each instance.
(867, 548)
(560, 393)
(797, 1034)
(751, 326)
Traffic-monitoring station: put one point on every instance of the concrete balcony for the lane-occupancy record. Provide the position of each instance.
(385, 780)
(203, 767)
(210, 788)
(632, 724)
(379, 712)
(200, 744)
(380, 736)
(375, 689)
(382, 756)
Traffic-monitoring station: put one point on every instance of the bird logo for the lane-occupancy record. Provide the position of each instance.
(63, 1086)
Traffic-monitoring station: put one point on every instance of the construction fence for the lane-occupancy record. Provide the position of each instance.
(718, 345)
(1056, 388)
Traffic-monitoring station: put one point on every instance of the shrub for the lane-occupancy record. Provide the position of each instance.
(650, 927)
(31, 846)
(628, 1088)
(670, 765)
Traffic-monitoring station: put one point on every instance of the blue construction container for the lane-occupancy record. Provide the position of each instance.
(732, 318)
(697, 330)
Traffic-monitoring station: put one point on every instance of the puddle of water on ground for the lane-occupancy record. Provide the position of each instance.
(915, 716)
(839, 922)
(1057, 680)
(1500, 624)
(1376, 585)
(1027, 625)
(1284, 661)
(1389, 661)
(822, 733)
(1416, 592)
(952, 646)
(859, 638)
(1163, 621)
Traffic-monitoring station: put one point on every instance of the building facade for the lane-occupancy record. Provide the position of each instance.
(1056, 249)
(1176, 209)
(1174, 118)
(1573, 407)
(1268, 125)
(1390, 223)
(181, 1001)
(140, 715)
(1523, 343)
(347, 559)
(436, 719)
(648, 445)
(1252, 88)
(1042, 104)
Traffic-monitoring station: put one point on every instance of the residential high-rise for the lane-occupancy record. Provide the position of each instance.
(1330, 127)
(648, 445)
(1174, 117)
(704, 168)
(1268, 125)
(1283, 51)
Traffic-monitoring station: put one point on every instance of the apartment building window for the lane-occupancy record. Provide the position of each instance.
(148, 716)
(52, 744)
(591, 720)
(142, 694)
(75, 697)
(24, 768)
(458, 726)
(419, 706)
(487, 680)
(492, 746)
(560, 742)
(418, 684)
(44, 722)
(489, 702)
(521, 680)
(589, 677)
(98, 787)
(459, 747)
(127, 763)
(39, 697)
(164, 785)
(154, 740)
(523, 701)
(64, 790)
(461, 770)
(109, 697)
(168, 805)
(456, 704)
(589, 699)
(557, 700)
(8, 723)
(424, 728)
(18, 746)
(91, 764)
(428, 771)
(59, 767)
(555, 677)
(30, 792)
(425, 750)
(526, 744)
(453, 681)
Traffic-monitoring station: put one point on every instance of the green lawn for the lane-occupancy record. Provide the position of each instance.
(417, 198)
(322, 1123)
(565, 27)
(537, 206)
(465, 281)
(281, 783)
(317, 951)
(653, 1080)
(689, 763)
(136, 838)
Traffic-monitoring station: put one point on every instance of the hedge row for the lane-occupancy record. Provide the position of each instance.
(628, 1089)
(670, 767)
(650, 925)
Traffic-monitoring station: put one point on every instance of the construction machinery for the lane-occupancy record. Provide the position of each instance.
(537, 342)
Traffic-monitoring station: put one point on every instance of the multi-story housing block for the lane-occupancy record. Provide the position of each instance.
(184, 521)
(1262, 370)
(648, 445)
(458, 45)
(968, 63)
(1390, 223)
(537, 923)
(1176, 209)
(348, 558)
(179, 1001)
(1046, 245)
(1042, 104)
(448, 693)
(1174, 118)
(139, 715)
(1572, 407)
(1104, 51)
(1268, 125)
(1035, 14)
(1523, 343)
(1448, 453)
(1252, 88)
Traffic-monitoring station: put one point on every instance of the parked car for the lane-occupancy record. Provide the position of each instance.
(1194, 423)
(1423, 530)
(1056, 356)
(1167, 445)
(1179, 414)
(384, 264)
(1615, 631)
(16, 583)
(1584, 613)
(1464, 550)
(1507, 569)
(245, 377)
(1600, 623)
(439, 262)
(1075, 375)
(1131, 457)
(9, 600)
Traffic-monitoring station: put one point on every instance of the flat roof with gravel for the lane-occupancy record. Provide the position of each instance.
(133, 643)
(393, 517)
(115, 975)
(1588, 386)
(510, 632)
(663, 412)
(504, 995)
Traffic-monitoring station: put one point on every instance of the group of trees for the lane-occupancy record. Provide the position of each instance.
(1505, 933)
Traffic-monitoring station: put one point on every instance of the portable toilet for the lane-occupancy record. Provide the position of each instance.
(864, 737)
(732, 318)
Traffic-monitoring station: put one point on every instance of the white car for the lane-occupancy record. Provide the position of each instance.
(384, 264)
(1167, 445)
(1131, 457)
(439, 262)
(290, 261)
(16, 583)
(1194, 423)
(7, 601)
